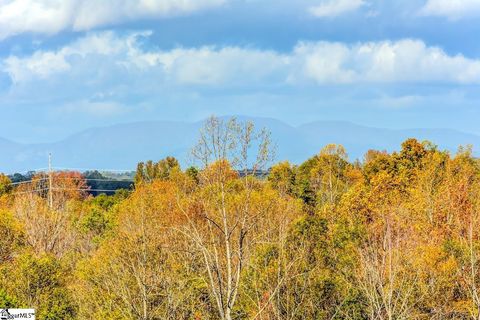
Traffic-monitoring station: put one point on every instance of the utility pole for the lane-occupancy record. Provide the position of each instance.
(50, 178)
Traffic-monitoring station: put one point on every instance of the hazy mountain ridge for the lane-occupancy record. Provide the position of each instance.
(122, 146)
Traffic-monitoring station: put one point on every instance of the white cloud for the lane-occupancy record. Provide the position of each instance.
(40, 65)
(52, 16)
(405, 61)
(217, 66)
(102, 61)
(451, 9)
(333, 8)
(114, 54)
(43, 64)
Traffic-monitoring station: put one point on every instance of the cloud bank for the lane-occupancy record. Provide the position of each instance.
(451, 9)
(105, 59)
(53, 16)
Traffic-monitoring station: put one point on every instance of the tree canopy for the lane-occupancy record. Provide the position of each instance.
(396, 236)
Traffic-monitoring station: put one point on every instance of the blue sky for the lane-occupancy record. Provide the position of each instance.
(67, 65)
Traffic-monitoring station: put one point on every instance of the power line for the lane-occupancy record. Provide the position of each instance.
(28, 181)
(84, 189)
(51, 188)
(66, 189)
(92, 179)
(30, 191)
(16, 184)
(69, 178)
(95, 169)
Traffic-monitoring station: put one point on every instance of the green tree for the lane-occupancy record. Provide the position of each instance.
(149, 171)
(38, 282)
(322, 179)
(282, 177)
(5, 184)
(11, 235)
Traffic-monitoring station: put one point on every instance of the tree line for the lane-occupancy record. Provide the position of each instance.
(395, 236)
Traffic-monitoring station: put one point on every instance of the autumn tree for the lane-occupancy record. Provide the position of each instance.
(282, 177)
(38, 282)
(49, 227)
(393, 237)
(12, 235)
(322, 179)
(462, 220)
(139, 270)
(224, 225)
(386, 276)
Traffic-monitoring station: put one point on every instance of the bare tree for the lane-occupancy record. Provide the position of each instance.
(384, 276)
(470, 264)
(49, 228)
(224, 228)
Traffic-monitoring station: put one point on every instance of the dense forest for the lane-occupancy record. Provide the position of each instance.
(394, 236)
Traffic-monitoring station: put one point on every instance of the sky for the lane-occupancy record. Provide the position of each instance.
(69, 65)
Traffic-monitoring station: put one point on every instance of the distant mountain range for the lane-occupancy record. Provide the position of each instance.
(122, 146)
